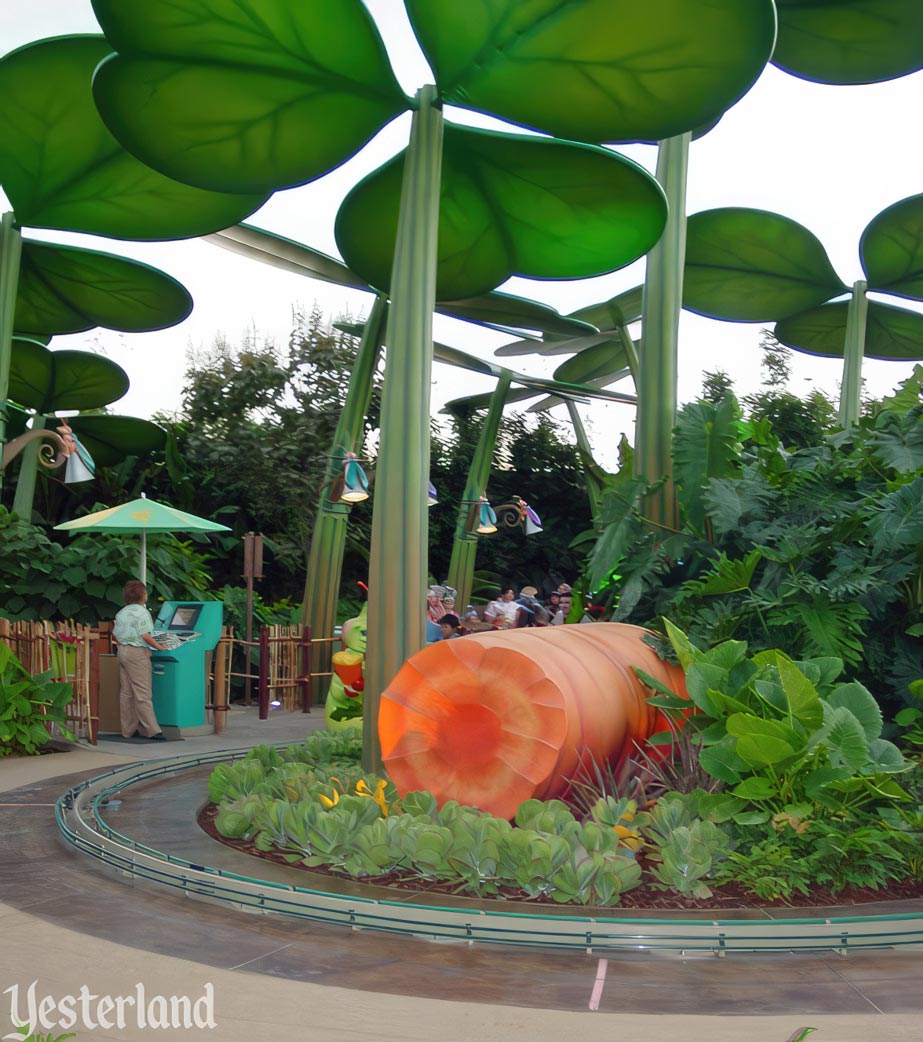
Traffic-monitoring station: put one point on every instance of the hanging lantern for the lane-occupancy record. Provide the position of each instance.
(355, 483)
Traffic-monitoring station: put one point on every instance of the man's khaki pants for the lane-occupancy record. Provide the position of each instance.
(135, 707)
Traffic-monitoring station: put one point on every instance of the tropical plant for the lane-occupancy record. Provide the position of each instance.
(28, 704)
(787, 740)
(815, 550)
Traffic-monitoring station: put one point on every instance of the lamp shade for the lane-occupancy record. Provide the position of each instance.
(80, 465)
(531, 522)
(355, 483)
(487, 519)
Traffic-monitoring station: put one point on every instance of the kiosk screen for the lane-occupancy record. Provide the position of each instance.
(185, 617)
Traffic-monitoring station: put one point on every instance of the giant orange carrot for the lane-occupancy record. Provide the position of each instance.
(493, 719)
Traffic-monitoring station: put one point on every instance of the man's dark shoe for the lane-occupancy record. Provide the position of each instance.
(157, 737)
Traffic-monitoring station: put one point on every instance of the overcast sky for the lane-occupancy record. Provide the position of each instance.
(828, 157)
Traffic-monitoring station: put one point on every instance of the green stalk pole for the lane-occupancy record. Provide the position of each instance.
(24, 500)
(398, 568)
(630, 352)
(661, 305)
(853, 351)
(594, 486)
(328, 539)
(10, 254)
(465, 544)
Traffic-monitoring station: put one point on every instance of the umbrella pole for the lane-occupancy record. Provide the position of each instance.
(144, 556)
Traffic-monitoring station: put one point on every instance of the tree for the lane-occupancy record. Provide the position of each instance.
(252, 439)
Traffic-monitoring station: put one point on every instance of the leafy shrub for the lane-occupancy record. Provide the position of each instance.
(27, 705)
(769, 735)
(83, 579)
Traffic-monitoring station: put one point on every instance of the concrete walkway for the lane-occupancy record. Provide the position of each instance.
(248, 1006)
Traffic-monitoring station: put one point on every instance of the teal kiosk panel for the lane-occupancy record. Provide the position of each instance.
(179, 674)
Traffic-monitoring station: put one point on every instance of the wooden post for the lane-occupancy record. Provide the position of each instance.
(264, 673)
(253, 569)
(219, 681)
(306, 669)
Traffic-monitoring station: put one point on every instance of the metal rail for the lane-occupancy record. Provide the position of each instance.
(80, 815)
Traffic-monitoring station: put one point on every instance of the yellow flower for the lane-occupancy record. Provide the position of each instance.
(629, 837)
(362, 789)
(327, 801)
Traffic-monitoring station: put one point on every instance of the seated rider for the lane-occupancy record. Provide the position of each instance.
(449, 624)
(503, 612)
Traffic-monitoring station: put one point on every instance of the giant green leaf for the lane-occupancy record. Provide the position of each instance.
(109, 439)
(61, 168)
(295, 257)
(622, 309)
(63, 289)
(48, 381)
(596, 70)
(849, 41)
(891, 249)
(510, 310)
(602, 360)
(240, 97)
(476, 402)
(570, 346)
(891, 333)
(747, 265)
(511, 205)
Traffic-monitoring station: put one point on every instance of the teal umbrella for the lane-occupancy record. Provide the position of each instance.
(141, 515)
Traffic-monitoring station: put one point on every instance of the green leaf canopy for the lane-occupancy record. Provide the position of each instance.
(109, 439)
(893, 334)
(47, 381)
(239, 97)
(511, 205)
(596, 70)
(64, 289)
(891, 249)
(849, 41)
(61, 168)
(746, 265)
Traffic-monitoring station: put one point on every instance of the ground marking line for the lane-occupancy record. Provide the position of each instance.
(601, 967)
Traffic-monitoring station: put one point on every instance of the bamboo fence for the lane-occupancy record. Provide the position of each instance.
(71, 651)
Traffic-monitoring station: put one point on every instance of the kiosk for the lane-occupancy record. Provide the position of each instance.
(192, 629)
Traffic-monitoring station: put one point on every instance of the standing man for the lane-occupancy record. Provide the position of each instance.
(133, 634)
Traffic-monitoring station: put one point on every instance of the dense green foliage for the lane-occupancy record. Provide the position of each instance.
(813, 548)
(83, 579)
(27, 705)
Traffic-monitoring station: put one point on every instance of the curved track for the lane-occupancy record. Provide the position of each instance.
(48, 879)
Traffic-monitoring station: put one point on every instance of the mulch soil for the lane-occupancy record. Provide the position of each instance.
(647, 895)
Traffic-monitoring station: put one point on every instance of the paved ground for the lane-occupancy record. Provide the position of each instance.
(65, 924)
